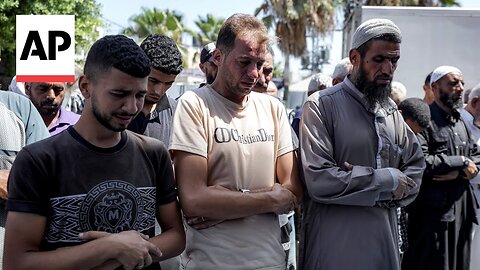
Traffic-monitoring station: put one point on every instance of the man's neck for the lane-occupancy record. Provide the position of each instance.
(50, 119)
(95, 133)
(148, 108)
(443, 107)
(240, 100)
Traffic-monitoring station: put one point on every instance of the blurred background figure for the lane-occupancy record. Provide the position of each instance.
(471, 116)
(16, 87)
(416, 114)
(206, 64)
(429, 96)
(318, 82)
(342, 69)
(266, 73)
(272, 89)
(399, 92)
(75, 100)
(466, 95)
(20, 125)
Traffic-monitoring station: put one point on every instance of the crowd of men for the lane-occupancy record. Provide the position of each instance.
(213, 180)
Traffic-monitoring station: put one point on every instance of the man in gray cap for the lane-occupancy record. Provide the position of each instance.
(355, 183)
(441, 218)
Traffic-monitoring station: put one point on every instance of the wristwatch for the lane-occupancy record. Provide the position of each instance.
(466, 162)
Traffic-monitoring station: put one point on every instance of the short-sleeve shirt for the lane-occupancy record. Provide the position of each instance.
(241, 144)
(20, 124)
(64, 120)
(80, 187)
(157, 124)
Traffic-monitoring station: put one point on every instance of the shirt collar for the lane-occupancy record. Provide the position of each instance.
(353, 90)
(451, 117)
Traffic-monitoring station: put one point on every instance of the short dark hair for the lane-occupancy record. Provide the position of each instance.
(116, 51)
(416, 110)
(384, 37)
(427, 79)
(240, 24)
(163, 53)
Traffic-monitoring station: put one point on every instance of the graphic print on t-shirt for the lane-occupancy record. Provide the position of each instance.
(226, 135)
(111, 206)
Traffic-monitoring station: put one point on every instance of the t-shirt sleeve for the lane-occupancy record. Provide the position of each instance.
(285, 134)
(189, 133)
(27, 185)
(166, 190)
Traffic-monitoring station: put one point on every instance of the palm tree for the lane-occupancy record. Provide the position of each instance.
(294, 20)
(157, 21)
(209, 27)
(149, 21)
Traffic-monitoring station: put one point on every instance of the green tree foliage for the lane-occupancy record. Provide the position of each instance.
(209, 27)
(87, 20)
(293, 19)
(164, 22)
(149, 21)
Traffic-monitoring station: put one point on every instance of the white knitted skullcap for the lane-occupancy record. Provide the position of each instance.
(441, 71)
(372, 29)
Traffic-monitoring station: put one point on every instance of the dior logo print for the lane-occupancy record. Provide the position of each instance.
(112, 206)
(226, 135)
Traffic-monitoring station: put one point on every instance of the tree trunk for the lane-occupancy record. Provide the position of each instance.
(286, 77)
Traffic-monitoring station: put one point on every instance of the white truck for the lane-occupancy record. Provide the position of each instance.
(431, 37)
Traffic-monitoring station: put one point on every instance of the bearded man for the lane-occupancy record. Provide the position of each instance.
(360, 161)
(48, 97)
(441, 219)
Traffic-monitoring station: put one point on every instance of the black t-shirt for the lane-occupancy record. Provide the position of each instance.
(80, 187)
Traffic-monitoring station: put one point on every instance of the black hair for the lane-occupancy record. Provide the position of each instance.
(427, 79)
(163, 53)
(390, 37)
(116, 51)
(416, 110)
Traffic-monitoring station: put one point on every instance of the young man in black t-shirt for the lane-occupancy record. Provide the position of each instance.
(96, 188)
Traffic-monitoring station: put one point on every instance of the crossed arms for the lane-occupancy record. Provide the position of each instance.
(218, 203)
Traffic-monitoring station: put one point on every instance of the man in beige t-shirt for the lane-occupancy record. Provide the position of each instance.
(234, 160)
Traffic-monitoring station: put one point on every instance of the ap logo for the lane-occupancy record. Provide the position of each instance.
(45, 48)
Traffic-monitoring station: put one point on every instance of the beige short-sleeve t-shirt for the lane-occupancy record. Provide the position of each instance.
(241, 144)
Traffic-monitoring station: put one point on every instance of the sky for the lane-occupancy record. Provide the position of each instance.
(117, 12)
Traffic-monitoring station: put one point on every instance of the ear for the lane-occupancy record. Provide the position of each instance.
(83, 85)
(354, 56)
(434, 86)
(474, 101)
(28, 89)
(217, 57)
